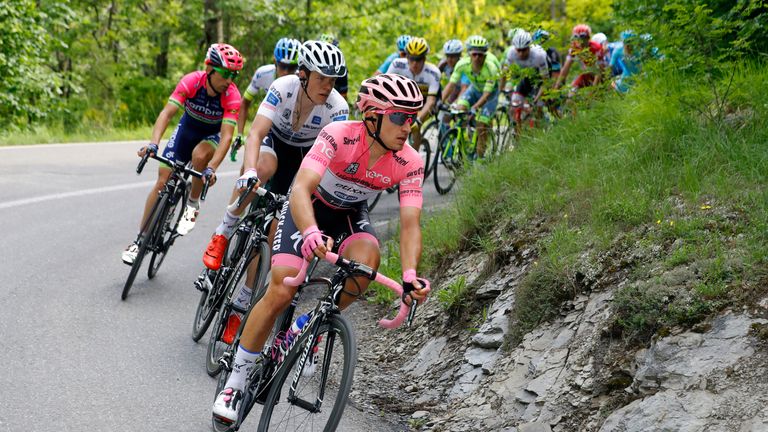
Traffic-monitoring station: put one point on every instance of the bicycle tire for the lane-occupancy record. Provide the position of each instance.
(215, 346)
(144, 241)
(209, 303)
(430, 138)
(166, 235)
(448, 157)
(278, 413)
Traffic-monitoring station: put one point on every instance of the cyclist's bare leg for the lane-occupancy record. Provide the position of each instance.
(201, 155)
(365, 252)
(163, 173)
(265, 312)
(250, 277)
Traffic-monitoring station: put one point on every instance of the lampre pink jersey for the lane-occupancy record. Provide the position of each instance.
(340, 155)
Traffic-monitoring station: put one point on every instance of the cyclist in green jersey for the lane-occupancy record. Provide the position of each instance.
(482, 68)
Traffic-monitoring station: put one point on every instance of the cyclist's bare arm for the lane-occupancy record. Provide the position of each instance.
(447, 91)
(410, 242)
(427, 109)
(259, 129)
(227, 132)
(564, 72)
(300, 203)
(245, 106)
(161, 124)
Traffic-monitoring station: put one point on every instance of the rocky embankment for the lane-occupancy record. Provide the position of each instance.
(572, 373)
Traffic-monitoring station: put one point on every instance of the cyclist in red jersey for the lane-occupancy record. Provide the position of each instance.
(327, 209)
(211, 104)
(588, 53)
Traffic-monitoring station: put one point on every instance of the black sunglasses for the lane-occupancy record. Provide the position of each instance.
(399, 118)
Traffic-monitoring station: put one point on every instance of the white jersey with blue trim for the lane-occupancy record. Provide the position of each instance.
(262, 79)
(428, 79)
(279, 106)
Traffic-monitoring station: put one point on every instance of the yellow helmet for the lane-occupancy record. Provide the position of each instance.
(417, 47)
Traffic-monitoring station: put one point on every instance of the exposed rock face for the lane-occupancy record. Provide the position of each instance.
(568, 374)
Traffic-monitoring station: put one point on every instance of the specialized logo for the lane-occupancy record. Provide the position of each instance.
(279, 233)
(316, 120)
(296, 237)
(362, 224)
(352, 168)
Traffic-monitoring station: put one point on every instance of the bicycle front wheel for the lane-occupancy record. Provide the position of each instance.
(166, 234)
(149, 233)
(313, 399)
(430, 140)
(447, 162)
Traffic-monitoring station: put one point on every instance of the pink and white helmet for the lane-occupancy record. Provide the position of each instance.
(225, 56)
(389, 91)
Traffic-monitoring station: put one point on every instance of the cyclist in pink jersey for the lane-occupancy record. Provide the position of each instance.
(211, 104)
(327, 209)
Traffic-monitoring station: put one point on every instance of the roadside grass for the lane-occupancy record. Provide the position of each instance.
(61, 134)
(647, 166)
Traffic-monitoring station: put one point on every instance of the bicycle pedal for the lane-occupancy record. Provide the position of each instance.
(225, 363)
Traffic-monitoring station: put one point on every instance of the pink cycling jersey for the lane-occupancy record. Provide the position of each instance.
(205, 110)
(341, 154)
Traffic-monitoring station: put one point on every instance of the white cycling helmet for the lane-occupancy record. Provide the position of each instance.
(600, 38)
(453, 46)
(323, 58)
(522, 39)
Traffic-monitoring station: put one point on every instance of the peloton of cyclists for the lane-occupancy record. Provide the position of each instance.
(401, 42)
(289, 119)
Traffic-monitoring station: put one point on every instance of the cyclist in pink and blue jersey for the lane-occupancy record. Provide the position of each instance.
(211, 104)
(327, 209)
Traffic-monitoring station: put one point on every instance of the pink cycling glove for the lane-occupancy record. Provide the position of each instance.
(313, 238)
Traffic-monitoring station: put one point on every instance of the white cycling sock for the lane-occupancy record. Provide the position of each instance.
(227, 224)
(244, 296)
(193, 203)
(241, 368)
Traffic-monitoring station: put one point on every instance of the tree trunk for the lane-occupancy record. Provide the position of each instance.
(212, 25)
(161, 60)
(553, 9)
(307, 18)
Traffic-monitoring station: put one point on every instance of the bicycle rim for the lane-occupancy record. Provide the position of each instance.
(292, 400)
(144, 242)
(446, 162)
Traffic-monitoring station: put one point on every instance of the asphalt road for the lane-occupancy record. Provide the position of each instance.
(75, 357)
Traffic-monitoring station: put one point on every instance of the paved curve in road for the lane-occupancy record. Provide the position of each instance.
(76, 357)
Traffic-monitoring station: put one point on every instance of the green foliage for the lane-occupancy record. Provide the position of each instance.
(454, 296)
(391, 267)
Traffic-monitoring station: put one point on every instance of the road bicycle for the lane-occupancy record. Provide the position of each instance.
(159, 230)
(303, 383)
(218, 288)
(458, 145)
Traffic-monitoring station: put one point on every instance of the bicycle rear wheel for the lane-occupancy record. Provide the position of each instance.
(301, 401)
(210, 300)
(167, 232)
(447, 162)
(430, 140)
(216, 346)
(152, 225)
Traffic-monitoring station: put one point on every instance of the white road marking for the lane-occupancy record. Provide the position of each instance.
(63, 145)
(84, 192)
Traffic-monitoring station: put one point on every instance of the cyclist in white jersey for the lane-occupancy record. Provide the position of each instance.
(426, 75)
(525, 55)
(289, 119)
(286, 62)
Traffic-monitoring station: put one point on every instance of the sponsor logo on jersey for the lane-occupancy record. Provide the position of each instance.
(316, 120)
(296, 237)
(419, 171)
(170, 155)
(272, 98)
(400, 65)
(374, 175)
(328, 106)
(349, 188)
(289, 95)
(351, 141)
(401, 160)
(416, 181)
(344, 196)
(286, 114)
(326, 136)
(203, 109)
(352, 168)
(339, 118)
(362, 224)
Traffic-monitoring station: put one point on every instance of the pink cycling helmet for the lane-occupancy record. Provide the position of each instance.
(389, 91)
(224, 55)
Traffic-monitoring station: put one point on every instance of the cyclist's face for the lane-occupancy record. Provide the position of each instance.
(393, 135)
(523, 53)
(416, 65)
(319, 87)
(478, 59)
(452, 59)
(219, 83)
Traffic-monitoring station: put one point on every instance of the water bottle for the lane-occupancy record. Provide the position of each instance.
(296, 328)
